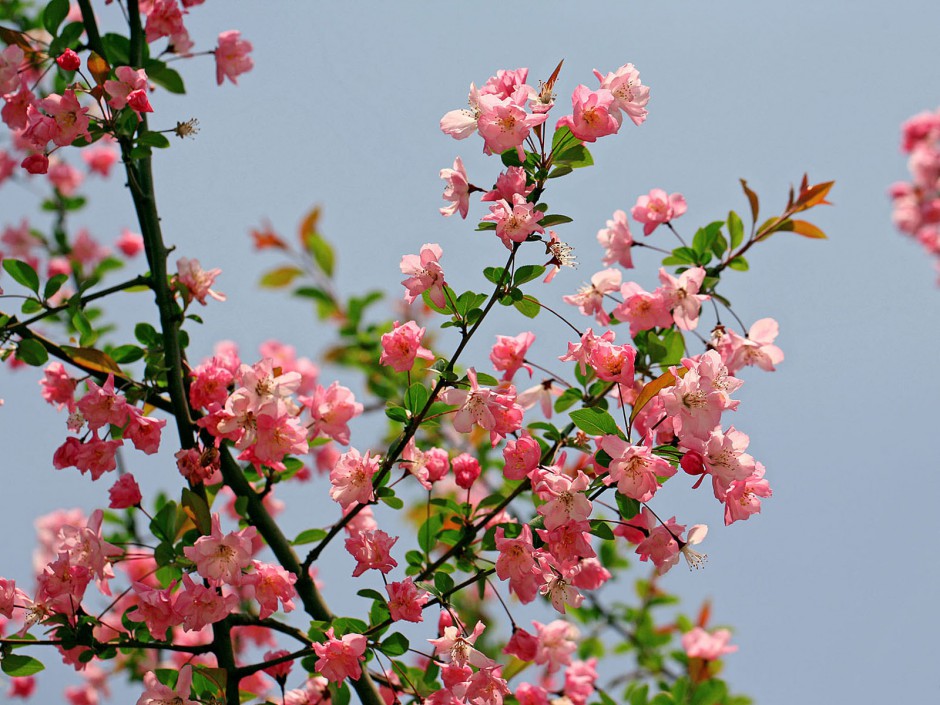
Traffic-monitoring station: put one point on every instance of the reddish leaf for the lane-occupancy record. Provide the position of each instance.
(814, 196)
(93, 359)
(667, 379)
(98, 67)
(308, 228)
(13, 36)
(266, 238)
(550, 83)
(752, 199)
(801, 227)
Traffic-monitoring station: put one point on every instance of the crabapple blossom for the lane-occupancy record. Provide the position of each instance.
(267, 583)
(508, 354)
(71, 119)
(515, 220)
(198, 282)
(280, 671)
(351, 478)
(156, 608)
(630, 95)
(509, 183)
(199, 605)
(617, 241)
(743, 497)
(521, 456)
(405, 601)
(338, 659)
(580, 352)
(682, 297)
(657, 208)
(590, 297)
(130, 89)
(564, 498)
(231, 57)
(466, 470)
(159, 694)
(634, 469)
(460, 648)
(503, 124)
(594, 114)
(371, 549)
(124, 493)
(699, 643)
(457, 189)
(402, 346)
(559, 588)
(331, 409)
(424, 274)
(755, 349)
(219, 558)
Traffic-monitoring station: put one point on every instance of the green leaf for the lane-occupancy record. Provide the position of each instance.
(567, 399)
(339, 694)
(494, 274)
(601, 530)
(153, 139)
(309, 536)
(735, 229)
(443, 582)
(197, 510)
(528, 306)
(22, 273)
(560, 171)
(527, 273)
(54, 284)
(397, 413)
(595, 422)
(67, 39)
(561, 137)
(31, 305)
(279, 277)
(126, 354)
(427, 534)
(416, 397)
(510, 157)
(554, 219)
(19, 665)
(166, 77)
(395, 644)
(31, 352)
(628, 506)
(739, 263)
(322, 253)
(576, 157)
(53, 14)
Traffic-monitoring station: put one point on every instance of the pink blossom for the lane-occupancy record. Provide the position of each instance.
(100, 160)
(87, 251)
(351, 478)
(564, 498)
(613, 363)
(492, 409)
(508, 354)
(557, 641)
(231, 57)
(331, 409)
(457, 189)
(580, 678)
(505, 83)
(402, 345)
(124, 493)
(15, 112)
(197, 281)
(521, 457)
(130, 243)
(591, 574)
(338, 659)
(219, 558)
(405, 601)
(199, 606)
(568, 542)
(528, 694)
(466, 470)
(559, 588)
(516, 563)
(542, 394)
(371, 549)
(424, 274)
(698, 643)
(159, 694)
(643, 310)
(515, 220)
(581, 351)
(11, 61)
(617, 241)
(657, 208)
(634, 469)
(460, 124)
(509, 183)
(130, 89)
(755, 349)
(590, 297)
(36, 164)
(164, 19)
(102, 405)
(594, 114)
(144, 432)
(21, 687)
(8, 597)
(70, 117)
(487, 687)
(743, 497)
(58, 388)
(267, 583)
(503, 124)
(64, 177)
(682, 297)
(630, 95)
(460, 648)
(156, 608)
(522, 645)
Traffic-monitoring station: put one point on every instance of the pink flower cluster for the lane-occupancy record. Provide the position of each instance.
(917, 203)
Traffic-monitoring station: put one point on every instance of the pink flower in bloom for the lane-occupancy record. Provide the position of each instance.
(338, 659)
(267, 584)
(557, 641)
(144, 432)
(220, 558)
(503, 124)
(102, 405)
(402, 346)
(743, 498)
(486, 408)
(613, 363)
(21, 687)
(569, 542)
(698, 643)
(581, 351)
(516, 563)
(634, 469)
(351, 478)
(64, 177)
(515, 221)
(231, 57)
(682, 297)
(58, 388)
(757, 348)
(591, 574)
(156, 608)
(8, 597)
(460, 124)
(521, 456)
(70, 117)
(405, 601)
(36, 164)
(509, 183)
(617, 241)
(460, 648)
(505, 83)
(164, 19)
(724, 458)
(424, 274)
(558, 587)
(130, 89)
(487, 687)
(580, 677)
(630, 95)
(457, 189)
(590, 297)
(594, 114)
(508, 355)
(528, 694)
(197, 281)
(522, 645)
(11, 60)
(124, 493)
(159, 694)
(371, 549)
(564, 498)
(657, 208)
(99, 159)
(199, 606)
(331, 409)
(697, 400)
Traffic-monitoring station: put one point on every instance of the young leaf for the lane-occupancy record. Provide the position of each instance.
(735, 229)
(595, 422)
(22, 273)
(667, 379)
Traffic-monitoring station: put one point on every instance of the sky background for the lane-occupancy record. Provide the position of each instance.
(830, 591)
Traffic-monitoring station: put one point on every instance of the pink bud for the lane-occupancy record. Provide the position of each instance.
(466, 470)
(68, 60)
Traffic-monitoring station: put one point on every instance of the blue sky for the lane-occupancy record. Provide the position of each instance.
(831, 591)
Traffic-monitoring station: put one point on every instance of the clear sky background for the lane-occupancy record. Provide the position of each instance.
(832, 590)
